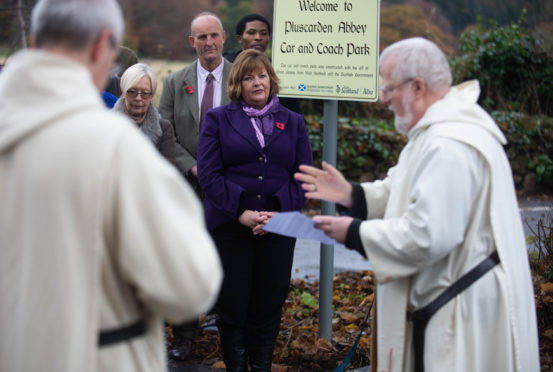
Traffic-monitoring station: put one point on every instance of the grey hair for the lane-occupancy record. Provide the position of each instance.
(205, 14)
(75, 23)
(133, 74)
(419, 57)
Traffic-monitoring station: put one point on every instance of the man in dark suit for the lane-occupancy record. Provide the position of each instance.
(201, 85)
(183, 91)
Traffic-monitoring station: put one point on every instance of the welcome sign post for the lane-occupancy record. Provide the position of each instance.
(327, 49)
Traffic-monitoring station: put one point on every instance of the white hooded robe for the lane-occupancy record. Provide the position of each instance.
(447, 205)
(97, 230)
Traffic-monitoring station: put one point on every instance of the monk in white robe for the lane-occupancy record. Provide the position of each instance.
(100, 238)
(447, 206)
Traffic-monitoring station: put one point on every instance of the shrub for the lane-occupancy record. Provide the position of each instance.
(514, 69)
(541, 263)
(543, 167)
(366, 148)
(529, 145)
(352, 109)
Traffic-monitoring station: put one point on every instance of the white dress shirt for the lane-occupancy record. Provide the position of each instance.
(217, 81)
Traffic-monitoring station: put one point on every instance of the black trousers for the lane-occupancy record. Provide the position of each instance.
(256, 280)
(189, 329)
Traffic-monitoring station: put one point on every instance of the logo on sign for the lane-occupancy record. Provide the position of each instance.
(302, 87)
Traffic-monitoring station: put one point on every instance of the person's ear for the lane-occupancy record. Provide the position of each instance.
(99, 57)
(224, 36)
(102, 44)
(419, 87)
(191, 40)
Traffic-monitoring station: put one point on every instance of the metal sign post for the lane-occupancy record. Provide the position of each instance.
(327, 50)
(330, 133)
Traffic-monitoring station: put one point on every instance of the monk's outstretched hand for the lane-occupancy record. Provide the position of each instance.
(325, 184)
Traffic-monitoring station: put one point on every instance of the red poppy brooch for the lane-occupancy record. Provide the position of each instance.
(189, 89)
(280, 125)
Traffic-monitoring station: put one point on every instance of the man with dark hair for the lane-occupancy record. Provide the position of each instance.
(100, 237)
(125, 59)
(252, 31)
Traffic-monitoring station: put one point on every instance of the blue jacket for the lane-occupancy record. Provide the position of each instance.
(109, 99)
(236, 174)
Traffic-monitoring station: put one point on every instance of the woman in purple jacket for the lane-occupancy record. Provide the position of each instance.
(248, 152)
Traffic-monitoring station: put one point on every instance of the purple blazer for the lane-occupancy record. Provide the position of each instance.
(236, 174)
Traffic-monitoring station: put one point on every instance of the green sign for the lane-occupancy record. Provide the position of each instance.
(327, 49)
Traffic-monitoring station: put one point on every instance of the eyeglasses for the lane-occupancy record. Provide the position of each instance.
(132, 93)
(386, 92)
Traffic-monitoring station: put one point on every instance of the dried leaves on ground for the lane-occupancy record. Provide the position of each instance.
(541, 263)
(298, 346)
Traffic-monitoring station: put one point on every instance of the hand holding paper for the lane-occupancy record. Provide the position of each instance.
(296, 225)
(334, 227)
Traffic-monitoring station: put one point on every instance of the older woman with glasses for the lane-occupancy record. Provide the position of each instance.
(248, 152)
(138, 85)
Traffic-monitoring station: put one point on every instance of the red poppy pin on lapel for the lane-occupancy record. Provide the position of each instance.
(280, 125)
(189, 89)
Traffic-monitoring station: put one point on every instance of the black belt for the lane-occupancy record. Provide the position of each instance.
(421, 317)
(122, 334)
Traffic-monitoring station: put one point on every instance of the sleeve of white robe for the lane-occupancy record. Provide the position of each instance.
(163, 247)
(376, 196)
(440, 200)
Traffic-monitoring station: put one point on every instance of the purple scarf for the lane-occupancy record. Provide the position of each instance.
(263, 120)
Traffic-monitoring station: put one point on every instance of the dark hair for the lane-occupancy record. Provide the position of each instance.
(241, 25)
(125, 59)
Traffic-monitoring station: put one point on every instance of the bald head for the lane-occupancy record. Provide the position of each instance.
(202, 15)
(207, 38)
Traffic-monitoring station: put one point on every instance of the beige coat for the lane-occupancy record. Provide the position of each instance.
(179, 105)
(447, 205)
(96, 229)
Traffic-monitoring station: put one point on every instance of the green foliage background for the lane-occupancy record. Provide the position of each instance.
(230, 14)
(514, 69)
(515, 72)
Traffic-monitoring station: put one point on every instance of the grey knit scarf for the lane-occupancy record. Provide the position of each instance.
(150, 125)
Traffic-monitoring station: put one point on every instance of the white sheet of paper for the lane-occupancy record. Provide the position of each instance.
(296, 225)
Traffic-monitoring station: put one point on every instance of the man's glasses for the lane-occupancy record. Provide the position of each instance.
(386, 92)
(132, 93)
